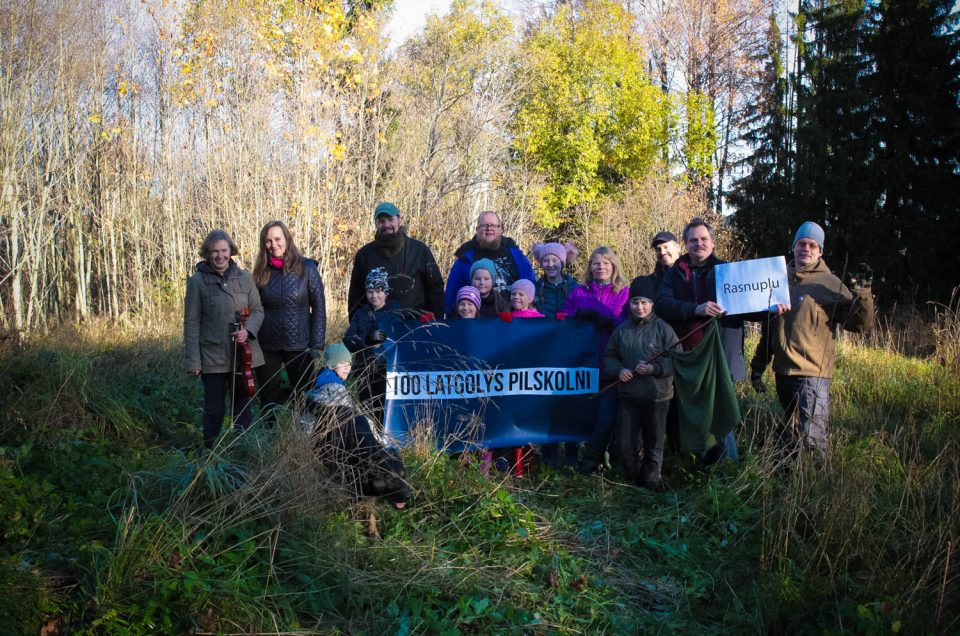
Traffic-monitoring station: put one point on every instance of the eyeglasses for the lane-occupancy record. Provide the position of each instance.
(488, 226)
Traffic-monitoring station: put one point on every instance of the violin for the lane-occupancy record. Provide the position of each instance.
(243, 360)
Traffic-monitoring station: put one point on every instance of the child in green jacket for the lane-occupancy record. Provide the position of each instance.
(645, 387)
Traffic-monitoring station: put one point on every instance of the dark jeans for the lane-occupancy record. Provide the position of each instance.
(551, 454)
(809, 398)
(641, 426)
(217, 389)
(299, 367)
(372, 389)
(672, 444)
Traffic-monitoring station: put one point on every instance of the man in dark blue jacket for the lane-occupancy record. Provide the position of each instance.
(414, 278)
(489, 242)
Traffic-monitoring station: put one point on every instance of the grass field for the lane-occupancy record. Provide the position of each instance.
(115, 523)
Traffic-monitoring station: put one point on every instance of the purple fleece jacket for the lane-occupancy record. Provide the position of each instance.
(603, 300)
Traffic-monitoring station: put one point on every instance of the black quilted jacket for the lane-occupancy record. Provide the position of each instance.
(295, 315)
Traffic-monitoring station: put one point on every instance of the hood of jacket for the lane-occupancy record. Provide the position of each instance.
(204, 268)
(506, 243)
(328, 376)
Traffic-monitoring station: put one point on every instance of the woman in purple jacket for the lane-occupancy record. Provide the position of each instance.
(600, 300)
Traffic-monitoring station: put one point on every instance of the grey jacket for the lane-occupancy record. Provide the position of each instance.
(210, 310)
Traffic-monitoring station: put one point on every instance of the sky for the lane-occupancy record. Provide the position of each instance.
(410, 15)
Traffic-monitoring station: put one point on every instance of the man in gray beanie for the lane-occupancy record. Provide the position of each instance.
(801, 340)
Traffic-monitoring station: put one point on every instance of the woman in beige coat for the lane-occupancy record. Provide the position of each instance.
(216, 294)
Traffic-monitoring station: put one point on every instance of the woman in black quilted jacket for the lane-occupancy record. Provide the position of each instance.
(295, 321)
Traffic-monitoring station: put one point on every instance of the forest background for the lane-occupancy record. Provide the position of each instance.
(128, 130)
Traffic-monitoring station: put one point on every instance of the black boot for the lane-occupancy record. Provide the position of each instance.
(590, 461)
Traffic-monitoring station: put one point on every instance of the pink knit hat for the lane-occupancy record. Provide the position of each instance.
(526, 287)
(469, 292)
(564, 252)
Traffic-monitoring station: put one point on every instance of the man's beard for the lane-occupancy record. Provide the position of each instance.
(391, 243)
(490, 246)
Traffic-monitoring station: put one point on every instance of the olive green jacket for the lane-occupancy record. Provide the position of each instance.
(803, 341)
(638, 340)
(210, 310)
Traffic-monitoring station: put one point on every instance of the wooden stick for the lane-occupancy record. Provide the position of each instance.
(659, 355)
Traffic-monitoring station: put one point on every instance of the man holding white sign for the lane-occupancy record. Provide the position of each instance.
(687, 299)
(802, 341)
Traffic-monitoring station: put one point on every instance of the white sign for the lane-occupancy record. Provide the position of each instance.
(483, 383)
(751, 286)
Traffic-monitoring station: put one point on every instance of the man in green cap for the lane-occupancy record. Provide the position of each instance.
(412, 273)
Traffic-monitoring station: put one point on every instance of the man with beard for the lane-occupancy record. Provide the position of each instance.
(802, 342)
(489, 242)
(414, 278)
(687, 298)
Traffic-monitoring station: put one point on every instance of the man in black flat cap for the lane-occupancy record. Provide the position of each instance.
(666, 249)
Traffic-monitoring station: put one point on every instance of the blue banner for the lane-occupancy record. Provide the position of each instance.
(489, 383)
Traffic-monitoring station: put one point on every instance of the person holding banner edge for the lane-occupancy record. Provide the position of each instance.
(802, 342)
(686, 300)
(367, 331)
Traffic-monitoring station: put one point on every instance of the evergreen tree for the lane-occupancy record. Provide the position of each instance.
(916, 49)
(760, 197)
(835, 183)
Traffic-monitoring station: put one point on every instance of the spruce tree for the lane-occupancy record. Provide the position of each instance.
(916, 49)
(762, 213)
(835, 183)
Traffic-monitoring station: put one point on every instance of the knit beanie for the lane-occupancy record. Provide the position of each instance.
(469, 292)
(377, 278)
(642, 287)
(336, 353)
(484, 263)
(525, 286)
(564, 252)
(812, 231)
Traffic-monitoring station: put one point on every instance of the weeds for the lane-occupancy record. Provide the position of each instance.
(116, 522)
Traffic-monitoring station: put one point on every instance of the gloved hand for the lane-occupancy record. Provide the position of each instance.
(375, 337)
(561, 315)
(756, 381)
(316, 353)
(426, 316)
(603, 322)
(505, 316)
(590, 315)
(861, 277)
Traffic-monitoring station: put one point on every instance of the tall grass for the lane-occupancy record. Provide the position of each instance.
(120, 524)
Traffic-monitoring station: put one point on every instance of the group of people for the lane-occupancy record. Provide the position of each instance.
(396, 277)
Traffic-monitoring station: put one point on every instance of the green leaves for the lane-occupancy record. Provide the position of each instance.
(589, 118)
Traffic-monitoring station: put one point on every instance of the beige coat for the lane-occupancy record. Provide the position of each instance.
(210, 310)
(803, 342)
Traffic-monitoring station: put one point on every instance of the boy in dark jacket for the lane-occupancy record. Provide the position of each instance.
(645, 387)
(368, 330)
